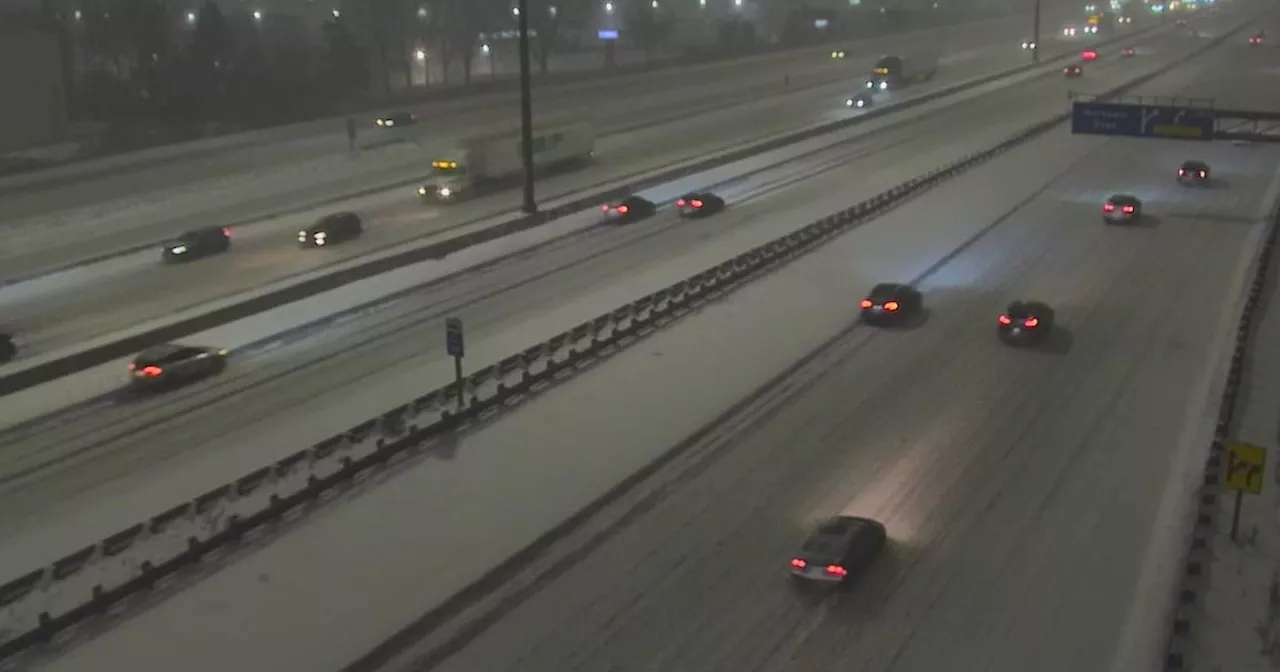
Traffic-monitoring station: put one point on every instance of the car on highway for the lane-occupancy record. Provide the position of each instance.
(1069, 31)
(173, 364)
(1025, 323)
(699, 204)
(1028, 44)
(197, 243)
(860, 100)
(1122, 209)
(396, 120)
(1073, 70)
(1089, 55)
(332, 229)
(1124, 20)
(1128, 52)
(890, 302)
(837, 54)
(629, 209)
(1193, 172)
(1181, 23)
(8, 347)
(838, 550)
(1255, 40)
(1090, 30)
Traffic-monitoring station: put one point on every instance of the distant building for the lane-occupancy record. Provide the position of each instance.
(35, 108)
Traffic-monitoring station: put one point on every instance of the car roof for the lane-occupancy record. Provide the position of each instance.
(833, 536)
(161, 351)
(635, 199)
(1194, 162)
(1123, 197)
(887, 288)
(1024, 306)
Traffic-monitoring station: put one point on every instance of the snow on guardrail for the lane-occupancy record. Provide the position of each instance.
(103, 578)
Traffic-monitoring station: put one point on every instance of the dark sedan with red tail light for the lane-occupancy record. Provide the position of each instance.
(703, 204)
(171, 365)
(841, 548)
(1025, 323)
(1121, 209)
(629, 209)
(890, 302)
(1193, 172)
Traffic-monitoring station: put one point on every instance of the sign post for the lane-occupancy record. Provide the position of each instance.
(456, 347)
(1245, 465)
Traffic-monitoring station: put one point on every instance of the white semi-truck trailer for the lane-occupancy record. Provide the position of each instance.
(895, 72)
(482, 164)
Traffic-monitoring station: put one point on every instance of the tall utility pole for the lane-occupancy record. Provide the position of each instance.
(1035, 34)
(526, 108)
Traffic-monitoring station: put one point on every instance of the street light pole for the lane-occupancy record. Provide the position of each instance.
(1035, 34)
(526, 109)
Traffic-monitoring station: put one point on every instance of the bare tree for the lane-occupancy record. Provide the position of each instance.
(462, 23)
(649, 25)
(550, 20)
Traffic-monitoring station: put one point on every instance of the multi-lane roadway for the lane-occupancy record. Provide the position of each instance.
(69, 221)
(281, 395)
(986, 464)
(67, 308)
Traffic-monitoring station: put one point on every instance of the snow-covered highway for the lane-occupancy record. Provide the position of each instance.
(879, 428)
(84, 218)
(68, 308)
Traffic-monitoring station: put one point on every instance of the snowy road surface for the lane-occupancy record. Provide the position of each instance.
(698, 582)
(71, 306)
(252, 186)
(92, 454)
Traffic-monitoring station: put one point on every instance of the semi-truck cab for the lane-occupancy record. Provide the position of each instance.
(894, 72)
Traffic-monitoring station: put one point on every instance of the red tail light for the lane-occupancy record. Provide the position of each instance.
(1128, 209)
(1181, 172)
(891, 306)
(837, 570)
(1202, 174)
(604, 208)
(149, 371)
(696, 203)
(680, 203)
(1004, 319)
(132, 366)
(798, 563)
(1032, 322)
(866, 303)
(1108, 207)
(226, 232)
(624, 209)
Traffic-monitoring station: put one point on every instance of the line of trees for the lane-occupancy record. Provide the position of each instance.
(154, 60)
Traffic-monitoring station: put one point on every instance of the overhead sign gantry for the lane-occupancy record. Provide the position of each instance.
(1170, 119)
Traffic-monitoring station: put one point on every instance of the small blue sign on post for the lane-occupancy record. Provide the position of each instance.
(607, 34)
(1142, 121)
(453, 342)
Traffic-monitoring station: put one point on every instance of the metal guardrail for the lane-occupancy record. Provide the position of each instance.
(1193, 580)
(54, 369)
(351, 457)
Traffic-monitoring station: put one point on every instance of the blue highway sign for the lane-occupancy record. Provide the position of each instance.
(1142, 121)
(453, 342)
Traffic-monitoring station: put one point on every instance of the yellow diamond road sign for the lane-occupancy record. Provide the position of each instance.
(1245, 466)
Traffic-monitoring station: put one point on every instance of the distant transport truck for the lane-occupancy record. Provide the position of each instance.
(895, 72)
(482, 164)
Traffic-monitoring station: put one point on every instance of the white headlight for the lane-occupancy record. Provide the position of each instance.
(862, 103)
(884, 85)
(422, 191)
(302, 236)
(179, 249)
(445, 192)
(848, 102)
